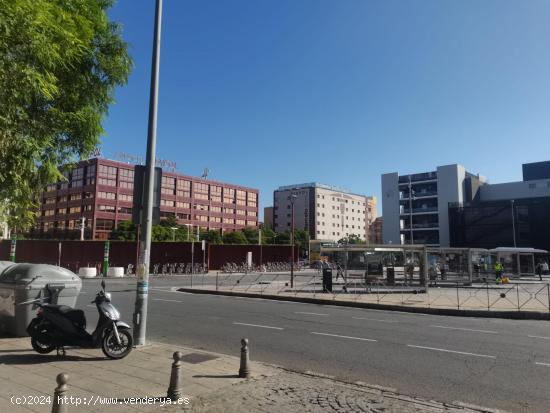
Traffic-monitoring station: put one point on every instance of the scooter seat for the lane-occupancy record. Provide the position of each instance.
(75, 316)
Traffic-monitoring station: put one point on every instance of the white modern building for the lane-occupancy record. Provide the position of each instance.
(326, 212)
(423, 199)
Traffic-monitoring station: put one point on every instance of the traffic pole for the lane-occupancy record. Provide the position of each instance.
(142, 288)
(13, 247)
(106, 258)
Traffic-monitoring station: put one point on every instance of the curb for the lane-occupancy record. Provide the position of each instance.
(515, 315)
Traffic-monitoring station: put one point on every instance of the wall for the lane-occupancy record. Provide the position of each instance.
(390, 208)
(515, 190)
(76, 254)
(450, 188)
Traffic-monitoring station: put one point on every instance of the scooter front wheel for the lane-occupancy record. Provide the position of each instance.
(112, 349)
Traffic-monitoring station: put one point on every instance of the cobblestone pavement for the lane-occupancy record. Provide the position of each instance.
(295, 392)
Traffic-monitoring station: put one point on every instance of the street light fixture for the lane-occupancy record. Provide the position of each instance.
(292, 198)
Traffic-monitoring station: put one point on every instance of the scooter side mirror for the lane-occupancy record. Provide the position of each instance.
(103, 284)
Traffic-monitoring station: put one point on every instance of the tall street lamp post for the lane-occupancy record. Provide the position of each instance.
(173, 233)
(142, 290)
(292, 198)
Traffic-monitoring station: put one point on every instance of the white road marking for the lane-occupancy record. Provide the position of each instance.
(162, 299)
(542, 364)
(452, 351)
(258, 325)
(90, 305)
(544, 338)
(466, 329)
(337, 335)
(375, 319)
(305, 312)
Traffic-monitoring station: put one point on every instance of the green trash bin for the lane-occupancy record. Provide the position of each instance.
(21, 283)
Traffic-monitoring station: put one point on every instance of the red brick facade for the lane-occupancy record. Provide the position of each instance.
(101, 191)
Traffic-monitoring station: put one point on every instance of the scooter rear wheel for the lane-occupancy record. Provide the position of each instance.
(112, 349)
(42, 347)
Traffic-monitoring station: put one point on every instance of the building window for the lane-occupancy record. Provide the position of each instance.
(216, 209)
(125, 197)
(49, 201)
(107, 175)
(48, 213)
(228, 221)
(90, 175)
(200, 190)
(251, 223)
(228, 211)
(75, 210)
(252, 199)
(106, 208)
(168, 185)
(215, 193)
(184, 205)
(166, 202)
(124, 210)
(106, 195)
(241, 197)
(184, 188)
(104, 224)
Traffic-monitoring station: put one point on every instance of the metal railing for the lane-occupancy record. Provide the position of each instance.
(400, 288)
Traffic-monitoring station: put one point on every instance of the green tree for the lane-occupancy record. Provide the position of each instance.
(268, 236)
(282, 238)
(161, 233)
(351, 239)
(251, 234)
(125, 231)
(61, 61)
(236, 237)
(301, 239)
(212, 237)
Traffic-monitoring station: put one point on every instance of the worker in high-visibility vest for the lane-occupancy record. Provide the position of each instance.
(499, 268)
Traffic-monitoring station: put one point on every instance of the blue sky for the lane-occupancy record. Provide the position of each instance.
(273, 92)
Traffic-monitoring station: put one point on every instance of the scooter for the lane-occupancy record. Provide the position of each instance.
(57, 326)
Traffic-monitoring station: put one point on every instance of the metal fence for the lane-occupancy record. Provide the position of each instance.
(400, 291)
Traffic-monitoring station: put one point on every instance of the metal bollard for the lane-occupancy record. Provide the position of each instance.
(244, 370)
(59, 404)
(174, 390)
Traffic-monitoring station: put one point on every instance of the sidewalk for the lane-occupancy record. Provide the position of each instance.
(209, 381)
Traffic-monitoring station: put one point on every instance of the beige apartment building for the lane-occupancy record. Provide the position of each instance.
(326, 212)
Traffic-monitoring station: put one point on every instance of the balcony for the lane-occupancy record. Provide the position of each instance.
(427, 176)
(418, 194)
(429, 210)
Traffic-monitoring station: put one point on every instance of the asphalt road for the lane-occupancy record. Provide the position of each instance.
(488, 362)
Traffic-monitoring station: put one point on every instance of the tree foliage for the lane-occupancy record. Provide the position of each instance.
(60, 62)
(236, 237)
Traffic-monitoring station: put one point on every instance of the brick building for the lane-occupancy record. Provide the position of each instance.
(101, 191)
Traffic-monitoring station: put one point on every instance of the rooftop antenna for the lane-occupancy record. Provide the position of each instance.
(205, 173)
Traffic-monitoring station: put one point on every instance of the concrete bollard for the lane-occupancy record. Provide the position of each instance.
(59, 404)
(174, 390)
(244, 370)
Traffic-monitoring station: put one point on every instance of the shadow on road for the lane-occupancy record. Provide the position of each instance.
(31, 358)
